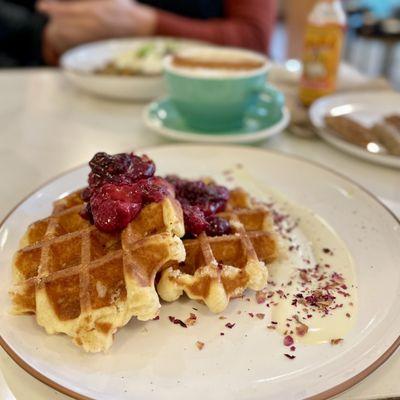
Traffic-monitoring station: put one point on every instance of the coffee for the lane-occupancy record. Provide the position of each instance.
(238, 64)
(217, 62)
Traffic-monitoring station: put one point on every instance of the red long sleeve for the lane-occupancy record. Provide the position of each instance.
(246, 23)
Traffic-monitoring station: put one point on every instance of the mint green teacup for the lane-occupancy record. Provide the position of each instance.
(217, 100)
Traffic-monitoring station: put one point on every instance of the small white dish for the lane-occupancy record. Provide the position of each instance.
(159, 360)
(162, 117)
(366, 108)
(80, 63)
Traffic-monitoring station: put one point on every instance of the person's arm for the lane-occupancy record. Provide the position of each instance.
(245, 24)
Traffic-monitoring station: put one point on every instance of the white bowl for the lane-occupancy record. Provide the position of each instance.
(80, 63)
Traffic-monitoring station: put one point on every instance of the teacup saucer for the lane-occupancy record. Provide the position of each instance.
(162, 117)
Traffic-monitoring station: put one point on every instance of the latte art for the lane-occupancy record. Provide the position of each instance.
(216, 62)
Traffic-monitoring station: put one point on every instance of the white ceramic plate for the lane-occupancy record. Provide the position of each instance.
(159, 360)
(80, 62)
(366, 108)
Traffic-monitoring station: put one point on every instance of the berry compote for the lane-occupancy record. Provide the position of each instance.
(120, 186)
(200, 203)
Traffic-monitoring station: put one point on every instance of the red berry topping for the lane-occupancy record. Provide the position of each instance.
(200, 202)
(119, 186)
(118, 169)
(114, 206)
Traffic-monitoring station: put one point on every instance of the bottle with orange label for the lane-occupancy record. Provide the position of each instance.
(322, 50)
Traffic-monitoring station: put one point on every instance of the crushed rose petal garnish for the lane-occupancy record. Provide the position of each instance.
(177, 321)
(288, 341)
(191, 320)
(290, 356)
(316, 283)
(318, 278)
(230, 325)
(200, 345)
(336, 341)
(301, 328)
(261, 296)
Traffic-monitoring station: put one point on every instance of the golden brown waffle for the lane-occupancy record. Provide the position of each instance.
(217, 269)
(86, 283)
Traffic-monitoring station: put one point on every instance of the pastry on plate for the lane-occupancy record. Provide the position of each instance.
(218, 268)
(87, 283)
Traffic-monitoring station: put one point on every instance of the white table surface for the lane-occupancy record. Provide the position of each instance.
(47, 126)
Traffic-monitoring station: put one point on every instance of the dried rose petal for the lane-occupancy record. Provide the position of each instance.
(177, 321)
(320, 299)
(260, 315)
(288, 341)
(191, 320)
(336, 341)
(199, 345)
(261, 296)
(290, 356)
(230, 325)
(301, 329)
(304, 275)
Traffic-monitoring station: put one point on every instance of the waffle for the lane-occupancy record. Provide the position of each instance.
(217, 269)
(86, 283)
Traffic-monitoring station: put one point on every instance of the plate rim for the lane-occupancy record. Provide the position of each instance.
(215, 139)
(334, 391)
(341, 144)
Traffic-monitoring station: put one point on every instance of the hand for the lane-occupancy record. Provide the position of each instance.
(74, 22)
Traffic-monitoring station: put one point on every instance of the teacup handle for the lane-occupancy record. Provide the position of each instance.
(270, 101)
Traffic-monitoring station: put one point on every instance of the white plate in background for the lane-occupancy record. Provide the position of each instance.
(80, 62)
(366, 108)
